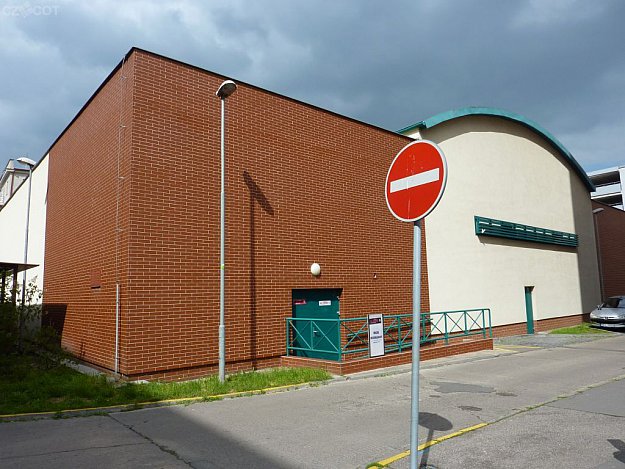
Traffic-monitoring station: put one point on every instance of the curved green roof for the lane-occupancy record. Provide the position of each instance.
(489, 111)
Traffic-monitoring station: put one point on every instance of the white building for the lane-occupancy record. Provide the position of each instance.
(13, 230)
(10, 181)
(514, 230)
(609, 183)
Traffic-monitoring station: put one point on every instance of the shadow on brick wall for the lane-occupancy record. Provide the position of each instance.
(53, 315)
(257, 197)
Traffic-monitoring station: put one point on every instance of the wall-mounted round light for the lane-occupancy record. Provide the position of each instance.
(315, 269)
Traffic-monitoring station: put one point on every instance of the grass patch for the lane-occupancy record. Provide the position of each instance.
(25, 387)
(583, 328)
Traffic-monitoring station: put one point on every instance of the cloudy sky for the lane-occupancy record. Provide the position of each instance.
(390, 63)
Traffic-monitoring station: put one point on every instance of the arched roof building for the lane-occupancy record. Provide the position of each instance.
(514, 231)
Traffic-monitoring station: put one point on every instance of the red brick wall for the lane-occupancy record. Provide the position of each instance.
(392, 359)
(303, 185)
(541, 325)
(611, 239)
(81, 236)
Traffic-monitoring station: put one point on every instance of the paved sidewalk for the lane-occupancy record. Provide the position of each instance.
(350, 423)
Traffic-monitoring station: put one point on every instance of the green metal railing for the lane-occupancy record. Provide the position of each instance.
(340, 339)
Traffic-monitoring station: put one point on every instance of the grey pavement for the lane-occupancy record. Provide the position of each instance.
(584, 431)
(95, 441)
(551, 340)
(547, 405)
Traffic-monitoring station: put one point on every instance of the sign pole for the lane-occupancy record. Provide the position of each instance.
(416, 342)
(415, 184)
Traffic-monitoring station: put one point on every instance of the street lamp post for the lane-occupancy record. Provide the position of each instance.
(225, 89)
(30, 163)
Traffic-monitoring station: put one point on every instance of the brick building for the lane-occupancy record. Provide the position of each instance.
(132, 210)
(133, 203)
(610, 226)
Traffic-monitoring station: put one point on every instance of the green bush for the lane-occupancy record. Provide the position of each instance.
(21, 331)
(9, 330)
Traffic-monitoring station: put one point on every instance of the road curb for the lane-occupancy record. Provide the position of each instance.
(87, 411)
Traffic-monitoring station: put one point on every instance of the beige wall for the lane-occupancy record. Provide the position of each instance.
(501, 169)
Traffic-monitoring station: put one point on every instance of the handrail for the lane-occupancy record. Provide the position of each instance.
(343, 337)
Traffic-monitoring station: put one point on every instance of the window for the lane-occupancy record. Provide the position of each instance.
(614, 302)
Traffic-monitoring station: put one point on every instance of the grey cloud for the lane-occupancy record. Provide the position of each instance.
(387, 63)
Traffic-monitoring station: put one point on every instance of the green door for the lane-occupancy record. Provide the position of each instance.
(529, 310)
(316, 323)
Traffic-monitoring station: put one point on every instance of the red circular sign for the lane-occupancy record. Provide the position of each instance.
(416, 180)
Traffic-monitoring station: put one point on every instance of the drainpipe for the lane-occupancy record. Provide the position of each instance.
(118, 230)
(117, 329)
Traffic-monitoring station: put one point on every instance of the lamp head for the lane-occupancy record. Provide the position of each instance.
(26, 161)
(226, 89)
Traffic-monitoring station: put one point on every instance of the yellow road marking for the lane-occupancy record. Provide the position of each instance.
(392, 459)
(427, 444)
(514, 347)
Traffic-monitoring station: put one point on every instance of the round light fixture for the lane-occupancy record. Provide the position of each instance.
(226, 89)
(315, 269)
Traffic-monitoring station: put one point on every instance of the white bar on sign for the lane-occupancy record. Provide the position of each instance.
(415, 180)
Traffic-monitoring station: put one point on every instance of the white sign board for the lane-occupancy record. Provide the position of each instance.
(376, 335)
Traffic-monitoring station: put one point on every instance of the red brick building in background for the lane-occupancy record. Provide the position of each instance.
(610, 226)
(133, 221)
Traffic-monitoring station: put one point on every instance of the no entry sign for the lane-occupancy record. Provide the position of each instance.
(414, 184)
(416, 180)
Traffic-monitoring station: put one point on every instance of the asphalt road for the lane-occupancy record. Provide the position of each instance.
(547, 402)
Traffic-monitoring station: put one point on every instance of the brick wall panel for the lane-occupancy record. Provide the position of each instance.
(303, 185)
(82, 240)
(611, 240)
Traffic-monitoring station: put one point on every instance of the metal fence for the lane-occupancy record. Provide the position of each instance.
(347, 338)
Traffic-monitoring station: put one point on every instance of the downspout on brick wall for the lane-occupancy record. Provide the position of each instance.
(117, 227)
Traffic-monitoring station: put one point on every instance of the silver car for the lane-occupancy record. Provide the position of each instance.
(610, 314)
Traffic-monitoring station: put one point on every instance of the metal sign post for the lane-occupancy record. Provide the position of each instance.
(414, 185)
(416, 342)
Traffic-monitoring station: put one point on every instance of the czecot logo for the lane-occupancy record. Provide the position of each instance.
(26, 9)
(416, 180)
